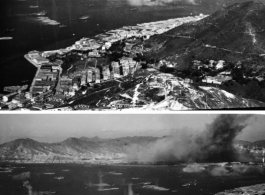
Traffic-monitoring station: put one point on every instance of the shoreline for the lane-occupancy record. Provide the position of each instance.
(111, 37)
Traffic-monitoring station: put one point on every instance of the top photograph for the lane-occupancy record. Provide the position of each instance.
(132, 55)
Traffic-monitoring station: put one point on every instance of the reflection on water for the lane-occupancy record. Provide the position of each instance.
(44, 33)
(95, 179)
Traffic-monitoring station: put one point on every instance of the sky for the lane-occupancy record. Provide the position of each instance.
(58, 127)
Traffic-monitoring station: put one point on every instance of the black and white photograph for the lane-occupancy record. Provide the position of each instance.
(132, 55)
(132, 154)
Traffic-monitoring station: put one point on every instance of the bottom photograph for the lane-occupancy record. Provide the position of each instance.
(132, 154)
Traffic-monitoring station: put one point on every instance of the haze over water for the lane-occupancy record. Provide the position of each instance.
(33, 34)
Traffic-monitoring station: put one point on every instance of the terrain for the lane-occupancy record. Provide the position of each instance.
(233, 35)
(214, 63)
(189, 63)
(96, 150)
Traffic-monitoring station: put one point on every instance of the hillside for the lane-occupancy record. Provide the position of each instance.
(232, 37)
(252, 145)
(230, 34)
(96, 150)
(92, 150)
(161, 91)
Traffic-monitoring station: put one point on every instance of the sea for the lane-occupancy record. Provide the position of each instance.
(37, 33)
(80, 179)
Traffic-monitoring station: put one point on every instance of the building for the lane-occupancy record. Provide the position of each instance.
(67, 108)
(116, 69)
(97, 74)
(125, 69)
(83, 79)
(89, 76)
(33, 54)
(106, 73)
(40, 60)
(75, 86)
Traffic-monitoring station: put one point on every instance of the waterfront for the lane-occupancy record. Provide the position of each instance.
(31, 34)
(71, 179)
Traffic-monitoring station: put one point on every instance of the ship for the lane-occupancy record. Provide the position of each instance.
(42, 13)
(33, 6)
(62, 26)
(6, 38)
(84, 17)
(10, 30)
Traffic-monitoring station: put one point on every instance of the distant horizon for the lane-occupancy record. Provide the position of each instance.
(24, 138)
(52, 128)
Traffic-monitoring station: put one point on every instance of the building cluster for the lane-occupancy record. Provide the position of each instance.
(220, 66)
(96, 75)
(15, 100)
(50, 89)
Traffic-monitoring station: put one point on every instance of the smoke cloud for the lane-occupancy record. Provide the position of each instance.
(193, 168)
(214, 144)
(159, 2)
(237, 170)
(29, 187)
(22, 176)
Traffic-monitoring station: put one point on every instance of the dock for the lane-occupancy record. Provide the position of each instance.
(37, 72)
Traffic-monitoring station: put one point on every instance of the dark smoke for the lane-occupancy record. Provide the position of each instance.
(215, 144)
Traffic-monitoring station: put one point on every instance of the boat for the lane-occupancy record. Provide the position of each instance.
(107, 189)
(6, 38)
(134, 9)
(33, 6)
(115, 173)
(42, 13)
(84, 17)
(62, 26)
(10, 30)
(59, 178)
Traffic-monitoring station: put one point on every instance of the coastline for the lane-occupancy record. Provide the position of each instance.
(97, 47)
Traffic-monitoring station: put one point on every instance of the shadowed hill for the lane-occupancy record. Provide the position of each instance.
(231, 34)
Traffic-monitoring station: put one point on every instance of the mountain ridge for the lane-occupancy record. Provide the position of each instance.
(78, 150)
(213, 30)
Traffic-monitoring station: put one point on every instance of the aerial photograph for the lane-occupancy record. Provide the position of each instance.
(132, 154)
(126, 55)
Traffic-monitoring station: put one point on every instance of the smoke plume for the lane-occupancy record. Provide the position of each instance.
(237, 170)
(22, 176)
(193, 168)
(29, 187)
(214, 144)
(159, 2)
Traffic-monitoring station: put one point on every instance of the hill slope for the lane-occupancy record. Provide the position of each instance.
(95, 150)
(233, 33)
(71, 150)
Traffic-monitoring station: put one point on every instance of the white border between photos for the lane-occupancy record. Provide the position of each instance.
(262, 112)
